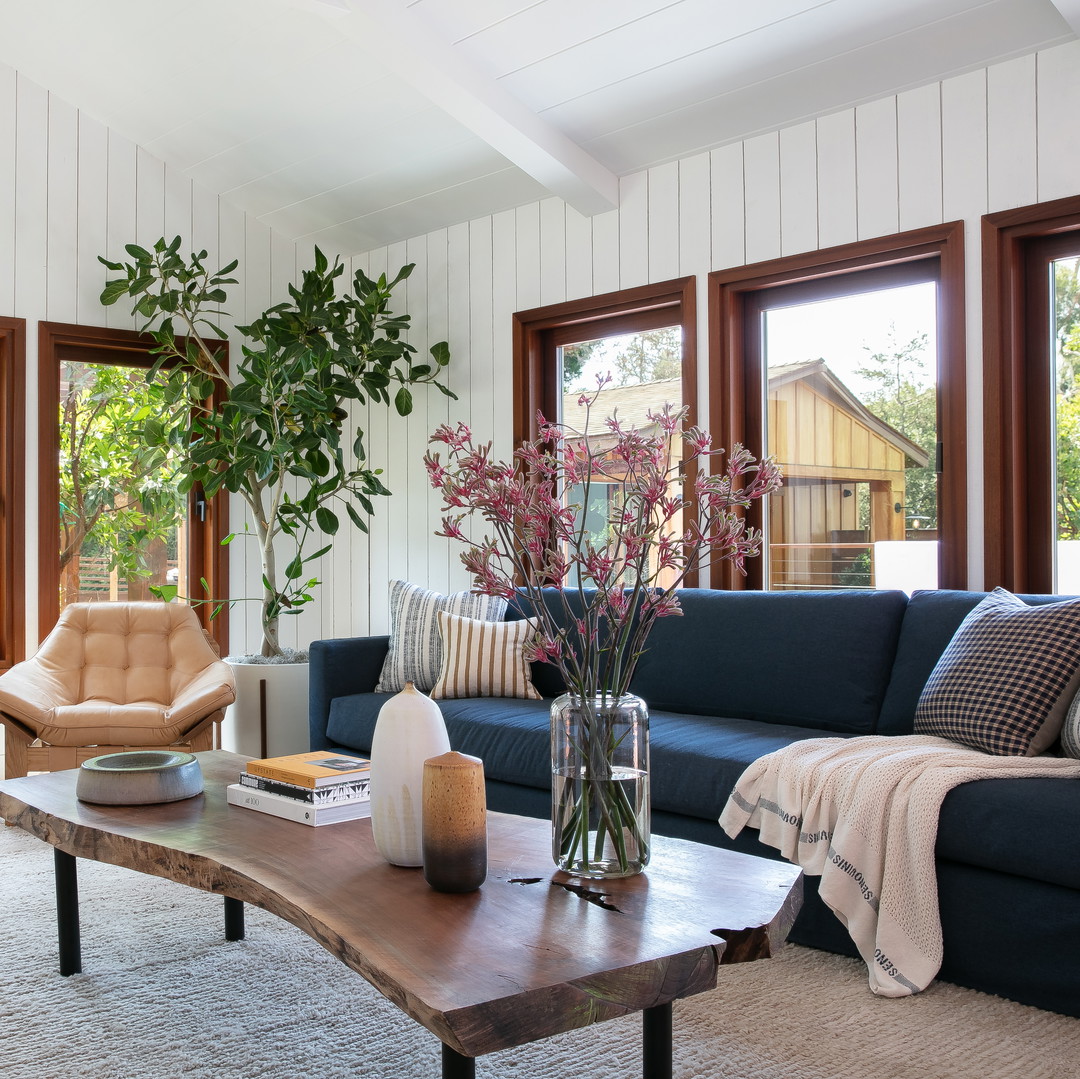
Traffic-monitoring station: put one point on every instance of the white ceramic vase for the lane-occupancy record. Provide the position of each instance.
(409, 730)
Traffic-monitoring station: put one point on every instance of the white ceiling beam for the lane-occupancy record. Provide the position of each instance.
(405, 46)
(1070, 12)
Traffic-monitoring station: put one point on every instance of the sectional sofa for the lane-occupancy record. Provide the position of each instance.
(745, 673)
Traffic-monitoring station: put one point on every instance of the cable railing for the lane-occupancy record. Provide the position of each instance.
(821, 565)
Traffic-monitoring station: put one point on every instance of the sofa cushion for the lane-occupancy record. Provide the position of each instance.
(930, 621)
(1005, 680)
(415, 653)
(763, 656)
(695, 760)
(1026, 827)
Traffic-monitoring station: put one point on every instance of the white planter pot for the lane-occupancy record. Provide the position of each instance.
(285, 699)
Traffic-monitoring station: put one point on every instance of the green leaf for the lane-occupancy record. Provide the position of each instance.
(295, 568)
(403, 401)
(327, 520)
(440, 353)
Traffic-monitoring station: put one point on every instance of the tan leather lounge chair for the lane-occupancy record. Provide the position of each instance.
(113, 677)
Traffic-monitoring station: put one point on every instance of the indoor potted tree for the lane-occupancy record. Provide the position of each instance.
(270, 426)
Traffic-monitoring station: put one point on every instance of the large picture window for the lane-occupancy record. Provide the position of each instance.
(112, 523)
(847, 365)
(642, 339)
(1031, 386)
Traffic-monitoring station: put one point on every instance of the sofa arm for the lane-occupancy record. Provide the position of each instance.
(338, 668)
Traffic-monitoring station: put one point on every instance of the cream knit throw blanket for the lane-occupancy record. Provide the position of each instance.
(862, 814)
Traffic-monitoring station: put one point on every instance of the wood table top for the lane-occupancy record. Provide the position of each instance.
(532, 953)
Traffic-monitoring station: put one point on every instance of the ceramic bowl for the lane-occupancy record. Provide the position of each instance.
(140, 777)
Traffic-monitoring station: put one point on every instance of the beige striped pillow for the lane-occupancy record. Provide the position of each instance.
(483, 659)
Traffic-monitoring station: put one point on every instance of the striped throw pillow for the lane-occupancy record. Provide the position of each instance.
(1007, 677)
(1070, 730)
(415, 653)
(484, 659)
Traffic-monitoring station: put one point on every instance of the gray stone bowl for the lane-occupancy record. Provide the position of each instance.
(140, 777)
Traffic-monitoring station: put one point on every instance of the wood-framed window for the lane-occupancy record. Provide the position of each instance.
(205, 557)
(541, 332)
(12, 490)
(737, 375)
(1019, 248)
(662, 315)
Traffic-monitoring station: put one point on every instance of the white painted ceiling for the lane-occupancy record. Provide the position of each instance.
(355, 123)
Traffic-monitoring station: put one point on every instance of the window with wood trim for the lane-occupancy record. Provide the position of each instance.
(643, 337)
(12, 491)
(859, 476)
(1031, 369)
(92, 365)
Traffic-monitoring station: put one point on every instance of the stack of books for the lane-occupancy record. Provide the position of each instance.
(313, 788)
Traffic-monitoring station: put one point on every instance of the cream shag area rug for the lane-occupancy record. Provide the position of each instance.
(163, 996)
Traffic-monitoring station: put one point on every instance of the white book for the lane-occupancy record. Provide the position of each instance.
(291, 809)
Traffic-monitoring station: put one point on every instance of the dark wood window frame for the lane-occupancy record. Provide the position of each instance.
(1018, 508)
(12, 491)
(540, 332)
(736, 385)
(207, 557)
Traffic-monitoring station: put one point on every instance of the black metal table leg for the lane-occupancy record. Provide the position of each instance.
(656, 1042)
(67, 912)
(234, 919)
(455, 1066)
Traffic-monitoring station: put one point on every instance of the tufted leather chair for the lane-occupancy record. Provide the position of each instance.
(112, 677)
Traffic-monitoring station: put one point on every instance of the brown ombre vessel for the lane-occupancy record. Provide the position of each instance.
(454, 823)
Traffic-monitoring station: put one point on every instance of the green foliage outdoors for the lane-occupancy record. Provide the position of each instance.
(649, 356)
(117, 493)
(275, 432)
(1067, 344)
(905, 397)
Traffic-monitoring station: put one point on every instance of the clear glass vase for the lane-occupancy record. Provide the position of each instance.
(600, 785)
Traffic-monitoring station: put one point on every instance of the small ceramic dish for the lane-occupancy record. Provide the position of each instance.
(140, 777)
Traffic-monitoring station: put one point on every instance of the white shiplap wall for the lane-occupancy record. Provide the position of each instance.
(70, 190)
(988, 140)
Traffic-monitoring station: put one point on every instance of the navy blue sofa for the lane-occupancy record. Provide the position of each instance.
(743, 673)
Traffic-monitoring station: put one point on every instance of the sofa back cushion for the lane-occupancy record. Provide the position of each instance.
(931, 620)
(807, 659)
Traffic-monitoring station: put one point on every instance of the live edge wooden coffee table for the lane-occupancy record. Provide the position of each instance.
(532, 953)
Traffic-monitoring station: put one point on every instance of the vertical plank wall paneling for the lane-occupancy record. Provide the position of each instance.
(761, 197)
(877, 197)
(987, 140)
(1057, 90)
(70, 190)
(1011, 128)
(8, 113)
(798, 189)
(836, 174)
(918, 145)
(950, 150)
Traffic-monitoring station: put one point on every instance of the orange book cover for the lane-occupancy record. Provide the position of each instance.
(316, 768)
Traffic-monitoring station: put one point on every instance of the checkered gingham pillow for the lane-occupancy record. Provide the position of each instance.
(1006, 679)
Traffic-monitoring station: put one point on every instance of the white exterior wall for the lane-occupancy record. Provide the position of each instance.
(989, 140)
